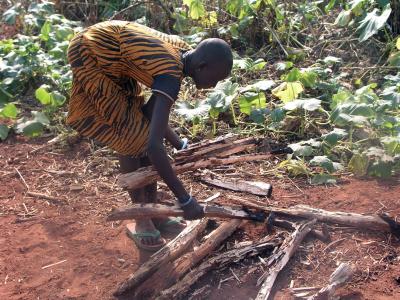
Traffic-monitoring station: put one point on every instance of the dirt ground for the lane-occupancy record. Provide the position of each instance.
(91, 256)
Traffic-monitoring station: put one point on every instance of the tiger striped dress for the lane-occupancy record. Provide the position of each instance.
(109, 61)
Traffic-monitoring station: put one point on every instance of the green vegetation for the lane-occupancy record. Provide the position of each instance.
(287, 83)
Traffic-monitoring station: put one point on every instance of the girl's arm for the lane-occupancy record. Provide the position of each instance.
(158, 156)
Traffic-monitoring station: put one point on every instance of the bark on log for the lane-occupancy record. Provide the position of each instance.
(140, 211)
(146, 175)
(253, 187)
(171, 251)
(221, 149)
(174, 270)
(360, 221)
(219, 261)
(339, 277)
(279, 259)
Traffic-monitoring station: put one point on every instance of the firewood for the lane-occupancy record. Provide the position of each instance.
(169, 252)
(219, 261)
(146, 175)
(140, 211)
(359, 221)
(170, 273)
(220, 149)
(339, 277)
(253, 187)
(280, 258)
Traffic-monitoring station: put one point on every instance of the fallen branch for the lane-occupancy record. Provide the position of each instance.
(146, 175)
(253, 187)
(47, 197)
(339, 277)
(360, 221)
(219, 261)
(280, 258)
(140, 211)
(169, 252)
(170, 273)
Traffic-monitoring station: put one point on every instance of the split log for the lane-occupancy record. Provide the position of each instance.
(220, 149)
(280, 258)
(219, 261)
(253, 187)
(360, 221)
(170, 273)
(169, 252)
(140, 211)
(339, 277)
(146, 175)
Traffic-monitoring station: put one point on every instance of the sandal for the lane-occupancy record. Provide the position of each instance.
(170, 225)
(138, 236)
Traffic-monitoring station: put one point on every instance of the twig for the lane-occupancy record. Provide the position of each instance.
(44, 196)
(22, 179)
(126, 8)
(57, 263)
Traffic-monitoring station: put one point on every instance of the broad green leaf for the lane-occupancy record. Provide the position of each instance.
(341, 96)
(392, 94)
(294, 167)
(358, 164)
(43, 95)
(287, 91)
(9, 111)
(398, 43)
(33, 127)
(331, 60)
(196, 8)
(277, 115)
(4, 130)
(394, 59)
(301, 150)
(258, 115)
(391, 144)
(334, 136)
(380, 168)
(349, 113)
(320, 179)
(324, 162)
(263, 85)
(306, 104)
(11, 14)
(4, 95)
(190, 112)
(308, 78)
(293, 75)
(57, 99)
(258, 65)
(344, 18)
(250, 100)
(45, 31)
(330, 5)
(373, 22)
(282, 66)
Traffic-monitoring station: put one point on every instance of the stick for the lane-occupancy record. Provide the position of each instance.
(360, 221)
(47, 197)
(339, 277)
(219, 261)
(170, 273)
(171, 251)
(281, 258)
(146, 175)
(57, 263)
(140, 211)
(253, 187)
(22, 179)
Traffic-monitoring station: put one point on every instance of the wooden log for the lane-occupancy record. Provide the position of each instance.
(219, 261)
(146, 175)
(281, 257)
(140, 211)
(339, 277)
(170, 273)
(221, 149)
(170, 251)
(253, 187)
(360, 221)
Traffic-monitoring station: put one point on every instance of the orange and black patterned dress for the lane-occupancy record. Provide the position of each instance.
(108, 62)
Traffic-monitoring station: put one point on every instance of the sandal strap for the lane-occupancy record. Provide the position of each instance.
(153, 234)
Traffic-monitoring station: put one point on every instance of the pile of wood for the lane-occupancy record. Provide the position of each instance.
(172, 271)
